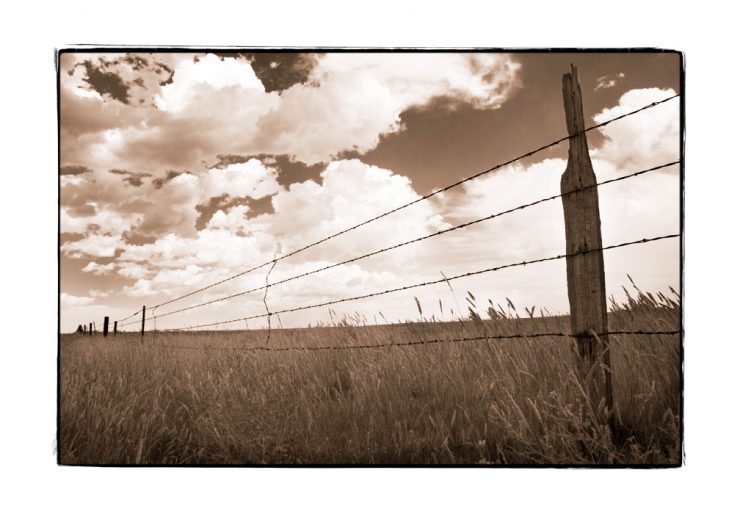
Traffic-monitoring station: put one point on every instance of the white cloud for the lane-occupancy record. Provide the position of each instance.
(69, 300)
(108, 219)
(250, 178)
(95, 293)
(645, 139)
(99, 269)
(353, 99)
(140, 289)
(94, 245)
(219, 106)
(197, 78)
(608, 81)
(351, 192)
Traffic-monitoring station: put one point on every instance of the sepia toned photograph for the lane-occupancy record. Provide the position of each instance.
(370, 257)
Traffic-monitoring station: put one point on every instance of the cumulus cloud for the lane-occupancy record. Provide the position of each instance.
(99, 269)
(69, 300)
(251, 178)
(349, 192)
(199, 78)
(353, 99)
(95, 293)
(217, 105)
(648, 138)
(93, 245)
(126, 78)
(139, 211)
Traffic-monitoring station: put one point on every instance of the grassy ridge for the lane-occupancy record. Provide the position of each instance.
(509, 401)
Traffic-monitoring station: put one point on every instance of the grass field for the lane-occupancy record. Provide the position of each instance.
(130, 401)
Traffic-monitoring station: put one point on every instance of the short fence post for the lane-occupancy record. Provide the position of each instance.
(585, 268)
(84, 329)
(79, 329)
(105, 326)
(91, 328)
(143, 319)
(115, 327)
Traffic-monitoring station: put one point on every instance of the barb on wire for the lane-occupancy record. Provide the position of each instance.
(433, 282)
(427, 196)
(419, 239)
(128, 317)
(421, 342)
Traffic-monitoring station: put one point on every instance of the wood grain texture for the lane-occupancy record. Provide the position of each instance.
(586, 283)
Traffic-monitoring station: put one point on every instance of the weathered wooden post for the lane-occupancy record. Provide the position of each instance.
(115, 327)
(586, 284)
(79, 329)
(91, 328)
(84, 329)
(143, 319)
(105, 326)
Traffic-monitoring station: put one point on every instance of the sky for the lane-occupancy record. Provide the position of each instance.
(182, 169)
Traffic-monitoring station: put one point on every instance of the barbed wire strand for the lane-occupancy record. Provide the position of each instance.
(422, 342)
(425, 197)
(418, 239)
(128, 317)
(432, 282)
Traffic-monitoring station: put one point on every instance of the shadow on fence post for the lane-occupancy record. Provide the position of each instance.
(586, 284)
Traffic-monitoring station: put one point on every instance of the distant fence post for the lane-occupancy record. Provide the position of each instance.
(586, 284)
(115, 327)
(105, 326)
(79, 329)
(91, 328)
(143, 318)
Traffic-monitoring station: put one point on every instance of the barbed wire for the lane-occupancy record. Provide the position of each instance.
(422, 342)
(128, 317)
(412, 241)
(422, 198)
(431, 282)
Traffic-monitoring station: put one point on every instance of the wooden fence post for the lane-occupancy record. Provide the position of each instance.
(105, 326)
(79, 329)
(91, 328)
(115, 327)
(143, 319)
(586, 284)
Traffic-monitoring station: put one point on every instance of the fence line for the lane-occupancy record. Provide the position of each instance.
(430, 282)
(422, 342)
(425, 197)
(412, 241)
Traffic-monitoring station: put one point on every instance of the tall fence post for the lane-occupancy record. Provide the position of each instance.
(586, 284)
(105, 326)
(143, 319)
(115, 327)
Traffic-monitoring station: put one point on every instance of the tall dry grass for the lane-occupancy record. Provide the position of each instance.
(520, 401)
